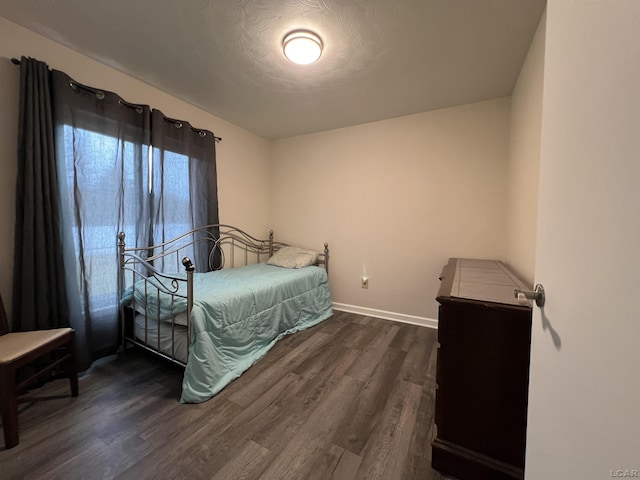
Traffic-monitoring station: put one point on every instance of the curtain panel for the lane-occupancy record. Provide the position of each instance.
(184, 191)
(102, 150)
(111, 166)
(39, 285)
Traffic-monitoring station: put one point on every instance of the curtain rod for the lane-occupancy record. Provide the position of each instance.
(200, 131)
(15, 61)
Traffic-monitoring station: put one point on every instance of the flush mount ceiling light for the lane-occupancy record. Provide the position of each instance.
(302, 47)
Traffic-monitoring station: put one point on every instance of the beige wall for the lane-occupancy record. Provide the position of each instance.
(395, 199)
(524, 159)
(242, 157)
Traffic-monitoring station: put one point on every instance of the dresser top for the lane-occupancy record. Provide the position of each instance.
(481, 280)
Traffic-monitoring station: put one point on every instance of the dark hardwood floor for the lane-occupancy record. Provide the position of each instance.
(351, 398)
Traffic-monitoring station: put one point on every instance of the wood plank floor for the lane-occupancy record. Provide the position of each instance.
(351, 398)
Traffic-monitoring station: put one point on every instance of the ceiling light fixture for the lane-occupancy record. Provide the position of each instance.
(302, 47)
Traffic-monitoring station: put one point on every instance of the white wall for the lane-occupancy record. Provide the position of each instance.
(242, 157)
(524, 159)
(395, 199)
(584, 396)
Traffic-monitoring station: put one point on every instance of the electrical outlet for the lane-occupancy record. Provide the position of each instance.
(365, 282)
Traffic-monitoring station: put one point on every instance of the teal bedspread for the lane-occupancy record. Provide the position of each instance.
(238, 315)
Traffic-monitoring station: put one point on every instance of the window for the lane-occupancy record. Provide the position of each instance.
(122, 167)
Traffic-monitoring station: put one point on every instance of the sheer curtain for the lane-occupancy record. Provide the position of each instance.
(102, 150)
(87, 170)
(184, 192)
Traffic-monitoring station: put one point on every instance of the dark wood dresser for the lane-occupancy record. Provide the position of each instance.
(484, 336)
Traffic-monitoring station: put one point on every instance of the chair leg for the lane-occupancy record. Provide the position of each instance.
(72, 369)
(9, 406)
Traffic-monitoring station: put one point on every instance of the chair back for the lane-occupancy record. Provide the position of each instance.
(4, 322)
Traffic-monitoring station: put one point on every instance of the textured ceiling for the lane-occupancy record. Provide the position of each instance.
(382, 58)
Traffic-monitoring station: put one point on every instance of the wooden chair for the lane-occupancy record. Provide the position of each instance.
(21, 348)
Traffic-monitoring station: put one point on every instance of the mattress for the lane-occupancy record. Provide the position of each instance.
(237, 316)
(151, 340)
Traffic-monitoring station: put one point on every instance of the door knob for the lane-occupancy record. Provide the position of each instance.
(536, 295)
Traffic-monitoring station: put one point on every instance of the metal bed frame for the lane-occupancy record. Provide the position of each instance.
(222, 242)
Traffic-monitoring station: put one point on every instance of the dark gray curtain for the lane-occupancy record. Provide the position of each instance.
(102, 147)
(184, 193)
(87, 172)
(39, 286)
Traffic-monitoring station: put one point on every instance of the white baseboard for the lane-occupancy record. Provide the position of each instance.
(396, 317)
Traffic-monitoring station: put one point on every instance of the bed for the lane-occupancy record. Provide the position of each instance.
(216, 299)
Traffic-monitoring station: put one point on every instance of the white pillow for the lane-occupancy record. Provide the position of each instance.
(293, 257)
